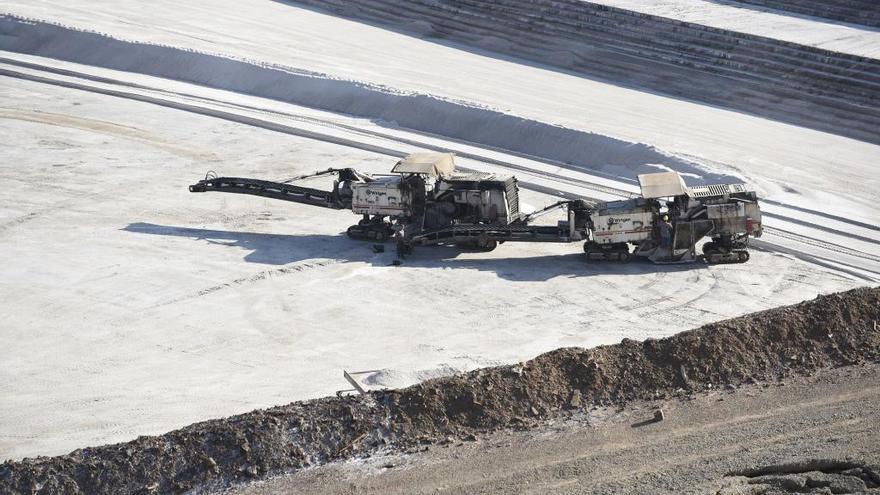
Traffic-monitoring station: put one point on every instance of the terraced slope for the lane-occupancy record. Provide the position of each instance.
(807, 86)
(864, 12)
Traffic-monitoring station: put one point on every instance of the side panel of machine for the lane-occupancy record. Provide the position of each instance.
(381, 197)
(490, 204)
(735, 218)
(622, 224)
(480, 200)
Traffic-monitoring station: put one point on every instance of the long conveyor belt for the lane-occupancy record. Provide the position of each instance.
(274, 190)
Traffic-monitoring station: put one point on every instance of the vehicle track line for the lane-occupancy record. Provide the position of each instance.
(232, 117)
(285, 129)
(826, 215)
(830, 246)
(823, 228)
(345, 127)
(830, 264)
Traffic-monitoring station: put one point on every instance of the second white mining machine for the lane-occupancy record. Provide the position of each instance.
(425, 200)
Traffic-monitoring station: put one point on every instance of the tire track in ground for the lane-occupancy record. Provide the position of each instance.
(830, 246)
(829, 216)
(677, 305)
(241, 119)
(15, 222)
(656, 279)
(103, 127)
(848, 270)
(294, 268)
(645, 303)
(813, 225)
(340, 126)
(325, 123)
(205, 355)
(676, 313)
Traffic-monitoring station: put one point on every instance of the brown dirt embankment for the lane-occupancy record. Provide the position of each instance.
(834, 330)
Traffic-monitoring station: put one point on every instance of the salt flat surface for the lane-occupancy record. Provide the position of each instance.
(133, 307)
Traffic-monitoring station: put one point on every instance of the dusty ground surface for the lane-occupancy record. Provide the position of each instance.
(114, 273)
(840, 329)
(132, 307)
(831, 416)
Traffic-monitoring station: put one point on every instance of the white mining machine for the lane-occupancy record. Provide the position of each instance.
(426, 201)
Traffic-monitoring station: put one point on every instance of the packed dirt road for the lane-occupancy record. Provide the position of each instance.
(831, 416)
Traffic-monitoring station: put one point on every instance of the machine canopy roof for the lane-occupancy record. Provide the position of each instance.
(433, 164)
(662, 185)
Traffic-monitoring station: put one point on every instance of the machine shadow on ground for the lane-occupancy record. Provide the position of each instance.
(267, 249)
(536, 268)
(282, 249)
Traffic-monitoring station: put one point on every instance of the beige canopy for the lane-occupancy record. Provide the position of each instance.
(662, 185)
(433, 164)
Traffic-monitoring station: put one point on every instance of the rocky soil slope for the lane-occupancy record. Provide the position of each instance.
(805, 434)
